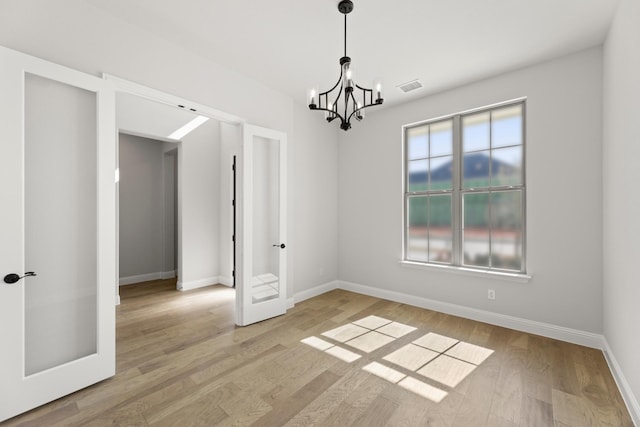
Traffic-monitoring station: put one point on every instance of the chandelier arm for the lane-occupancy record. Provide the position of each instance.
(359, 109)
(335, 102)
(364, 95)
(347, 95)
(328, 110)
(364, 88)
(335, 113)
(366, 91)
(355, 108)
(353, 99)
(334, 86)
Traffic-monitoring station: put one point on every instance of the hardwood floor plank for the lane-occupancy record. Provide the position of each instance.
(37, 419)
(182, 361)
(285, 410)
(378, 413)
(536, 413)
(411, 409)
(324, 405)
(201, 412)
(508, 395)
(444, 413)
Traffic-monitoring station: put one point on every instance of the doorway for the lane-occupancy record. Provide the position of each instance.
(199, 225)
(28, 391)
(147, 208)
(262, 152)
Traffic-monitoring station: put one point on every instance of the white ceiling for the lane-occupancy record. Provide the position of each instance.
(295, 44)
(142, 117)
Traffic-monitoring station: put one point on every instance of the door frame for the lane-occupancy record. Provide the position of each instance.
(121, 85)
(234, 218)
(243, 237)
(178, 205)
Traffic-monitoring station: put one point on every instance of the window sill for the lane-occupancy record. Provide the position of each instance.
(511, 277)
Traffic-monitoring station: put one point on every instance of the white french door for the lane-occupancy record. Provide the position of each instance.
(261, 291)
(57, 144)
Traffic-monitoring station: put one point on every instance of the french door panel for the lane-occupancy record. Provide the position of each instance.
(262, 286)
(57, 184)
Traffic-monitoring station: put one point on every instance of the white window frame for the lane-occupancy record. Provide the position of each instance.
(457, 193)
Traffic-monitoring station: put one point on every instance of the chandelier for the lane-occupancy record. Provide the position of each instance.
(345, 100)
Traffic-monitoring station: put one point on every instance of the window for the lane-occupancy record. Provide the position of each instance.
(464, 190)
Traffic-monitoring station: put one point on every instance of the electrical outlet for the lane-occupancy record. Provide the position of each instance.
(491, 294)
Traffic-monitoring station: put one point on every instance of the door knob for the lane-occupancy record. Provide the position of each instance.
(282, 246)
(13, 278)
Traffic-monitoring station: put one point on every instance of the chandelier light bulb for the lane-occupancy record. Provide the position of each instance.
(328, 115)
(377, 84)
(349, 77)
(312, 95)
(360, 112)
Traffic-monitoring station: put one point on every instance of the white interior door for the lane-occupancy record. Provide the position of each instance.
(57, 219)
(261, 291)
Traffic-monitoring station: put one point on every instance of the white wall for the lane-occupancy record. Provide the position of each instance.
(141, 116)
(315, 171)
(170, 208)
(76, 34)
(621, 197)
(564, 197)
(199, 183)
(141, 206)
(80, 36)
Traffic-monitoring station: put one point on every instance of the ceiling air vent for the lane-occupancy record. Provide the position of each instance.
(409, 86)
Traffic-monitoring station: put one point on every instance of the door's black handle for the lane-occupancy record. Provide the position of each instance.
(282, 246)
(13, 278)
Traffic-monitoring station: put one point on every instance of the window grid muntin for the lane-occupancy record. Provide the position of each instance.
(428, 197)
(490, 228)
(428, 158)
(457, 181)
(429, 191)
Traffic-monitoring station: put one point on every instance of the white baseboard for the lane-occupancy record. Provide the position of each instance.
(140, 278)
(574, 336)
(225, 280)
(117, 299)
(158, 275)
(200, 283)
(168, 274)
(623, 385)
(314, 292)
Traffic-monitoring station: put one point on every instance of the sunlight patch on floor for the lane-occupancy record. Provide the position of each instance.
(343, 354)
(384, 372)
(437, 358)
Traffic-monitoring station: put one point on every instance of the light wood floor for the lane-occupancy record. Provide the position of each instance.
(181, 361)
